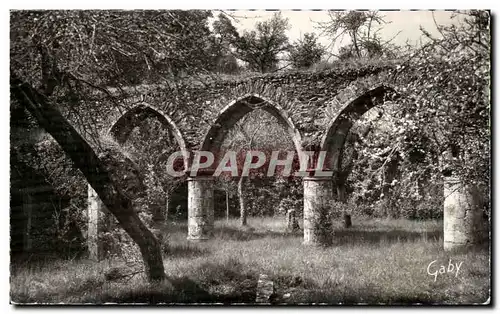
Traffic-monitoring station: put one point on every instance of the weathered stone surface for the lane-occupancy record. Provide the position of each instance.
(317, 197)
(265, 289)
(463, 216)
(200, 207)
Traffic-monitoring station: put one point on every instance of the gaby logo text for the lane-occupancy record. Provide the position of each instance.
(436, 270)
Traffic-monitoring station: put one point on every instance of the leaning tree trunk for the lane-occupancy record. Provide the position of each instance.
(158, 216)
(243, 205)
(85, 159)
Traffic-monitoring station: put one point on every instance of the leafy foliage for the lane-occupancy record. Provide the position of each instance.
(362, 28)
(447, 100)
(438, 126)
(260, 48)
(226, 36)
(106, 47)
(306, 51)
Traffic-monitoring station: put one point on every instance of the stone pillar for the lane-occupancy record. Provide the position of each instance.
(463, 217)
(200, 207)
(94, 207)
(317, 222)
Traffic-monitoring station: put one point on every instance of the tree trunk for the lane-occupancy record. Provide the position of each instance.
(85, 159)
(347, 221)
(167, 203)
(390, 173)
(341, 197)
(355, 42)
(243, 208)
(158, 221)
(292, 224)
(227, 206)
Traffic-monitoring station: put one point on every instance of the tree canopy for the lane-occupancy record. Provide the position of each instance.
(362, 29)
(259, 48)
(306, 51)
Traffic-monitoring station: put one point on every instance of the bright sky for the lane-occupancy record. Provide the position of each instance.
(408, 22)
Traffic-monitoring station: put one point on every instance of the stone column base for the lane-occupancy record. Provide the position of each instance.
(200, 208)
(317, 222)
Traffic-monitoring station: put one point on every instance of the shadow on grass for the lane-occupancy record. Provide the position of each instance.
(354, 236)
(175, 291)
(248, 233)
(184, 251)
(229, 281)
(224, 282)
(184, 291)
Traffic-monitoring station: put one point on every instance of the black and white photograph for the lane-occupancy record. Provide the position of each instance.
(250, 157)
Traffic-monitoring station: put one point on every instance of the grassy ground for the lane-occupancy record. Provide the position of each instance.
(375, 261)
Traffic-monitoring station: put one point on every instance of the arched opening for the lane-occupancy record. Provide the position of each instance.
(252, 123)
(124, 126)
(261, 194)
(335, 137)
(335, 140)
(236, 110)
(149, 137)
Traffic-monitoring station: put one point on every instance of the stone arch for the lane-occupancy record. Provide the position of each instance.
(201, 187)
(122, 128)
(334, 139)
(236, 110)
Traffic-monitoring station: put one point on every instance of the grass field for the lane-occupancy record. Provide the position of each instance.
(375, 262)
